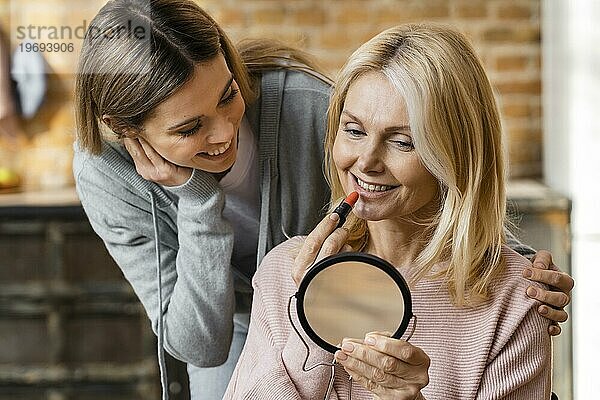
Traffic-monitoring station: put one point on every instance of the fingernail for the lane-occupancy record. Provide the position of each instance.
(347, 346)
(554, 330)
(540, 265)
(340, 355)
(370, 340)
(544, 310)
(531, 292)
(334, 217)
(528, 273)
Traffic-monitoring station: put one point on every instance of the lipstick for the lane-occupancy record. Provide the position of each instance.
(345, 207)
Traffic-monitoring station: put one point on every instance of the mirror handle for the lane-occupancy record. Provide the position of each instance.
(414, 326)
(304, 368)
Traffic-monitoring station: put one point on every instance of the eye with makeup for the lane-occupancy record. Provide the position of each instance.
(353, 130)
(195, 128)
(402, 142)
(229, 98)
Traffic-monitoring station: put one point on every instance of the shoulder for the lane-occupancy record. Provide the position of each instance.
(106, 164)
(510, 285)
(296, 86)
(276, 267)
(509, 293)
(514, 264)
(281, 256)
(110, 183)
(306, 82)
(509, 309)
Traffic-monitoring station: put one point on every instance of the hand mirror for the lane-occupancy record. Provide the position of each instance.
(348, 295)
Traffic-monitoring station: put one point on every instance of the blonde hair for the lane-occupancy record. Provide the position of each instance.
(457, 134)
(126, 78)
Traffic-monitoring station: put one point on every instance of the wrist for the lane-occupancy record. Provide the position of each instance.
(181, 180)
(200, 186)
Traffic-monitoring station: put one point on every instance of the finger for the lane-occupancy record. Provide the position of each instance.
(363, 370)
(557, 279)
(156, 159)
(542, 259)
(384, 363)
(552, 314)
(382, 333)
(333, 243)
(127, 142)
(553, 299)
(398, 387)
(133, 147)
(397, 348)
(346, 249)
(554, 329)
(140, 159)
(312, 244)
(364, 381)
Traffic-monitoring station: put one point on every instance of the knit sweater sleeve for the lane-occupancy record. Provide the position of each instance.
(197, 286)
(520, 362)
(270, 366)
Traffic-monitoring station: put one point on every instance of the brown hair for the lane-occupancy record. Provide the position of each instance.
(138, 53)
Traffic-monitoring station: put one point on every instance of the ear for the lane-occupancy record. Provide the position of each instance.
(118, 127)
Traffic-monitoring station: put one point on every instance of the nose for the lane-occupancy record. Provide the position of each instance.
(370, 158)
(221, 130)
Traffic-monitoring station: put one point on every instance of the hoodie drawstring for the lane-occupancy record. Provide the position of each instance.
(161, 352)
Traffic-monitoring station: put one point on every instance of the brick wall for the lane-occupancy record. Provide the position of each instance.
(506, 34)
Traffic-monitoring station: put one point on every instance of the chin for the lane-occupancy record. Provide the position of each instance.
(217, 169)
(363, 211)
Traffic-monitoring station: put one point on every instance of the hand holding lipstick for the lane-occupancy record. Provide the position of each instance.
(328, 237)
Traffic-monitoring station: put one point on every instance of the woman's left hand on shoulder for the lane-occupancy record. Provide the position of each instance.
(390, 368)
(557, 297)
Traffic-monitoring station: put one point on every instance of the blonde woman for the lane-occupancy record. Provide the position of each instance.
(414, 129)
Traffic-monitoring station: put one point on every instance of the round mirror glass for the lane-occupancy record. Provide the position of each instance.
(349, 295)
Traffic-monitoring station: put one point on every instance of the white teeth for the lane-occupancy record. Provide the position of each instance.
(221, 150)
(373, 188)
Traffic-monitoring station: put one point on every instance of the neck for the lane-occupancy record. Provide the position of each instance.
(397, 242)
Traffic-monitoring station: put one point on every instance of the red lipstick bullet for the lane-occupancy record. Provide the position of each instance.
(345, 207)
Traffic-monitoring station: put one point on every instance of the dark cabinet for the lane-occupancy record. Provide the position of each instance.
(70, 325)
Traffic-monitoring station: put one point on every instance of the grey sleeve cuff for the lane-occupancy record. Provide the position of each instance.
(201, 185)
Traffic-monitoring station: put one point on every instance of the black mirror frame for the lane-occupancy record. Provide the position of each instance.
(351, 256)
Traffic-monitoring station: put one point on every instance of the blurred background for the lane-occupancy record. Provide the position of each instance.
(70, 327)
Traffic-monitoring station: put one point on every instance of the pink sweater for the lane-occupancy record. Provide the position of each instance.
(497, 350)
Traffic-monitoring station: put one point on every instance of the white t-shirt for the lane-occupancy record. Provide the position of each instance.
(242, 200)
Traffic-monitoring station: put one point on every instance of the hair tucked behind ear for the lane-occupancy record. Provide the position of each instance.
(457, 134)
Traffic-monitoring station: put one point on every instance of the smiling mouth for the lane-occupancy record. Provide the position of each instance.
(372, 187)
(218, 151)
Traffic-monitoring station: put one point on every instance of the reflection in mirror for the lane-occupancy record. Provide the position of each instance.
(349, 295)
(351, 299)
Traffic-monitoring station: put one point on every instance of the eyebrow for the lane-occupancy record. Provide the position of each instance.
(199, 117)
(388, 129)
